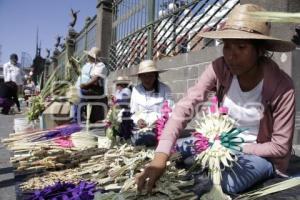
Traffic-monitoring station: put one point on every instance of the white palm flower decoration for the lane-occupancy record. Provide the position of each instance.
(216, 143)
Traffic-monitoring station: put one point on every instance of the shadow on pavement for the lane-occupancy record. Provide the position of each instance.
(6, 170)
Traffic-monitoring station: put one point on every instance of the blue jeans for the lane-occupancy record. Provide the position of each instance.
(249, 169)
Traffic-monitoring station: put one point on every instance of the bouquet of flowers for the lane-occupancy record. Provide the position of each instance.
(216, 142)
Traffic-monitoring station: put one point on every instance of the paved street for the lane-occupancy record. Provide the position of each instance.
(7, 181)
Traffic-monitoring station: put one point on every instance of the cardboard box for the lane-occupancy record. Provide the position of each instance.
(57, 113)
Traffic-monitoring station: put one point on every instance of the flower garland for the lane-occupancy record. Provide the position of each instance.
(216, 143)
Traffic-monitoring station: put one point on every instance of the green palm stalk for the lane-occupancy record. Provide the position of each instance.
(279, 17)
(290, 183)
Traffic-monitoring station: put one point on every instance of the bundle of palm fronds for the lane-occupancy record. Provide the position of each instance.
(114, 170)
(37, 106)
(52, 158)
(56, 85)
(280, 17)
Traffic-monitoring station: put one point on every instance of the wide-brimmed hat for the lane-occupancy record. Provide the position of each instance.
(241, 25)
(122, 80)
(94, 52)
(147, 66)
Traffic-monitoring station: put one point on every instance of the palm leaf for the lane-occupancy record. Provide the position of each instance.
(270, 189)
(280, 17)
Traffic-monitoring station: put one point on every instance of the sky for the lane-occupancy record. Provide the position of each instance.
(20, 19)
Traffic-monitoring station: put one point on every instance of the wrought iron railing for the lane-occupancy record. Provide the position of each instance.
(175, 25)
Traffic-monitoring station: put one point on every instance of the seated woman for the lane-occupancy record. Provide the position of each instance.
(91, 86)
(123, 92)
(118, 118)
(259, 95)
(146, 101)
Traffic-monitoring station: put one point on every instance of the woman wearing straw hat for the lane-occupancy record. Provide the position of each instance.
(146, 102)
(121, 102)
(122, 93)
(91, 84)
(245, 75)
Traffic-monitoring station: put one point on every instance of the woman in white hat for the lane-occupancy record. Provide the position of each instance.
(258, 95)
(147, 99)
(91, 84)
(123, 92)
(121, 102)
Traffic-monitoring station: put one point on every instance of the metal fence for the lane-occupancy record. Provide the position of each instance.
(86, 39)
(154, 29)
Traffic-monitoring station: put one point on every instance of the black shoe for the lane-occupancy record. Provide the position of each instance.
(4, 112)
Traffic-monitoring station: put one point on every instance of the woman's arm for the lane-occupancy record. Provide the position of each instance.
(91, 83)
(185, 109)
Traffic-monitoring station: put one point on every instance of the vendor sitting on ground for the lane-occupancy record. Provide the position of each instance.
(123, 92)
(258, 94)
(146, 101)
(8, 96)
(118, 121)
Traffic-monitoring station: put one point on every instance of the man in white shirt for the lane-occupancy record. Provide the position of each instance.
(13, 72)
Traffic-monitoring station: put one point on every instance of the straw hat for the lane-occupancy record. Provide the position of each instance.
(122, 80)
(147, 66)
(94, 52)
(241, 25)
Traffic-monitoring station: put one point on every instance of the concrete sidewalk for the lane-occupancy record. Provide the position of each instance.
(7, 178)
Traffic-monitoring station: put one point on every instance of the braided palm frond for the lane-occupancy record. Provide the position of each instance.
(212, 125)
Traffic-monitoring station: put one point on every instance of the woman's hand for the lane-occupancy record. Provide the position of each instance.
(141, 123)
(152, 172)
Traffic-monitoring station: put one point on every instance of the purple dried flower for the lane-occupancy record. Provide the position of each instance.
(201, 143)
(61, 131)
(65, 191)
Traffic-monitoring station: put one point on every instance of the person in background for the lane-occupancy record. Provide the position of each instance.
(29, 88)
(8, 96)
(259, 95)
(119, 113)
(123, 92)
(13, 72)
(146, 101)
(91, 84)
